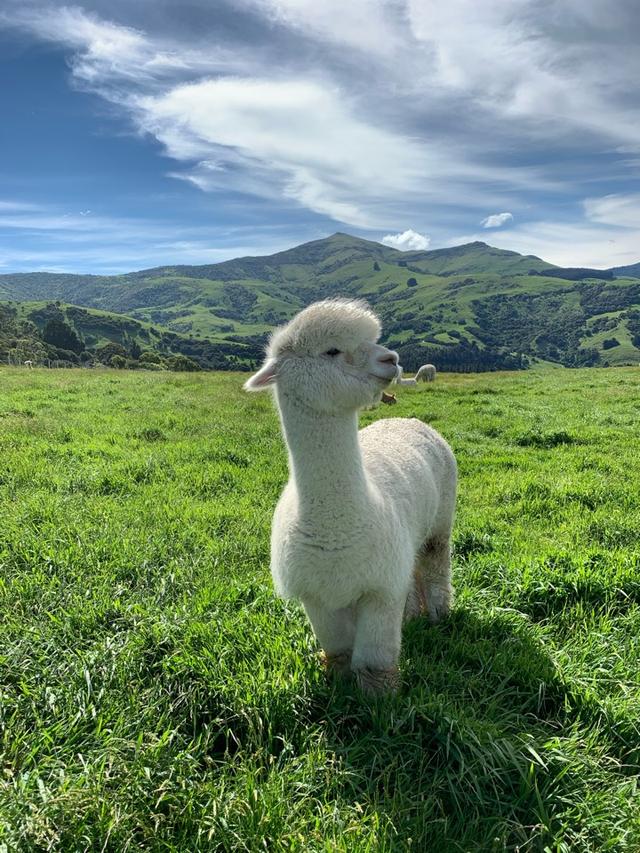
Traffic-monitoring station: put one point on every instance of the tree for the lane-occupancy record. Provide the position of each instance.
(105, 352)
(182, 362)
(411, 282)
(118, 361)
(150, 357)
(60, 334)
(376, 266)
(134, 349)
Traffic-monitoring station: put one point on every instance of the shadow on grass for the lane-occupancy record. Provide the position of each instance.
(463, 758)
(484, 748)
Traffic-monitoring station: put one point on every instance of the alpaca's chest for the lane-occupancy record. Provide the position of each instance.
(336, 559)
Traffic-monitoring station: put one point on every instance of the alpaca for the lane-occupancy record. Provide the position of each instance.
(361, 533)
(400, 380)
(427, 373)
(29, 364)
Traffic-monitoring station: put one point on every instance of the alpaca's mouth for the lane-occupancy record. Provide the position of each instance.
(384, 379)
(390, 373)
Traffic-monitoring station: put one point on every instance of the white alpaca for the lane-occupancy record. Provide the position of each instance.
(400, 380)
(29, 364)
(427, 373)
(361, 533)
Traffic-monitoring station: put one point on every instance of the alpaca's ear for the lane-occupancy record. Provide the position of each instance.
(265, 377)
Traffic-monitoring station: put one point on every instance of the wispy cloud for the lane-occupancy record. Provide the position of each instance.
(305, 136)
(406, 241)
(427, 112)
(7, 206)
(609, 236)
(622, 210)
(111, 245)
(496, 220)
(339, 22)
(106, 54)
(297, 138)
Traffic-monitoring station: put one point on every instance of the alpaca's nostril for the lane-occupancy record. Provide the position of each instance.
(392, 358)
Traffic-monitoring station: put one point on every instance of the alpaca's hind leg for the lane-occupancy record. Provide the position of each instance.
(416, 604)
(335, 630)
(433, 578)
(377, 644)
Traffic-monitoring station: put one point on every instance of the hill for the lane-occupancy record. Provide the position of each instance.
(466, 307)
(631, 271)
(57, 334)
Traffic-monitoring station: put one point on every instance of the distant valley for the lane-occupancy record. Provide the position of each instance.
(466, 308)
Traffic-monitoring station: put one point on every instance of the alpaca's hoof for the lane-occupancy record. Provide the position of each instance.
(377, 681)
(438, 603)
(337, 664)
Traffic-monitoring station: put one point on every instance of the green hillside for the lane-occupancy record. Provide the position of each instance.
(467, 307)
(54, 333)
(632, 271)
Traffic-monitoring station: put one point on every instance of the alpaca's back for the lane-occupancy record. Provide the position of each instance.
(414, 466)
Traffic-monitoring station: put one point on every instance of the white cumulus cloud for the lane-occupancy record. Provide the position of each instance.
(496, 220)
(407, 241)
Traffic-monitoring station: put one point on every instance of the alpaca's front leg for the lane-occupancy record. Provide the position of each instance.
(377, 643)
(335, 630)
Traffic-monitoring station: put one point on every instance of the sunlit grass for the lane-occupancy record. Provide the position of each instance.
(154, 694)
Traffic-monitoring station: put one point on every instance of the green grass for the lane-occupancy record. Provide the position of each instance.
(154, 694)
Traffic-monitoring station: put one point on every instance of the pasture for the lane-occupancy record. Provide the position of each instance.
(155, 695)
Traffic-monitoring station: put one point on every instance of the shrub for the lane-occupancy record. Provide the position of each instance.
(60, 334)
(182, 362)
(106, 352)
(150, 357)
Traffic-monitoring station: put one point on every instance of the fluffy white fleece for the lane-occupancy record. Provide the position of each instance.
(426, 373)
(361, 533)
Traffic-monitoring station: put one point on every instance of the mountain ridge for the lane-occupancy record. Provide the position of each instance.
(466, 305)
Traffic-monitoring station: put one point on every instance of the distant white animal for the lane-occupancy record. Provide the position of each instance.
(427, 373)
(361, 533)
(400, 380)
(28, 363)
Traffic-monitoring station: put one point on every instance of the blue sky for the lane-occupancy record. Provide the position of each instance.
(158, 132)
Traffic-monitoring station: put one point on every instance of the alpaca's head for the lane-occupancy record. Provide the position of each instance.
(327, 358)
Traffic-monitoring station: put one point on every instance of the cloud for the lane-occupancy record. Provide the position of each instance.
(496, 220)
(293, 138)
(407, 241)
(43, 237)
(339, 22)
(548, 68)
(112, 59)
(380, 113)
(7, 206)
(622, 210)
(578, 243)
(299, 136)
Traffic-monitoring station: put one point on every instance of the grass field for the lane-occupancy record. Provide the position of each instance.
(155, 695)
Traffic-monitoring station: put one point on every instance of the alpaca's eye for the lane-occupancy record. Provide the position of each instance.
(332, 352)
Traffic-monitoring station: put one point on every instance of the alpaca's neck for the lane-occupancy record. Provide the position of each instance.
(324, 458)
